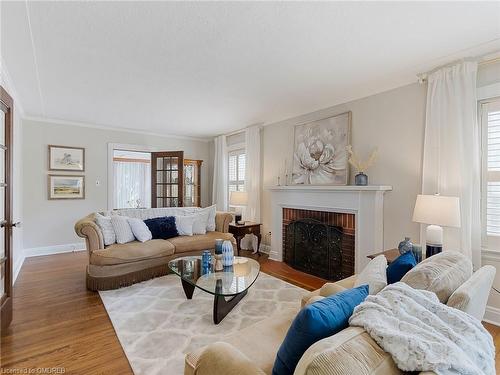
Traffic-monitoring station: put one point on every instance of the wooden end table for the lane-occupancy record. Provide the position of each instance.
(240, 230)
(390, 255)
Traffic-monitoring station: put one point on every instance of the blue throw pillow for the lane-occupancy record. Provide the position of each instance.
(162, 227)
(400, 266)
(314, 322)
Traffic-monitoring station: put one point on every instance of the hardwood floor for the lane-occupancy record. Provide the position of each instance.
(59, 323)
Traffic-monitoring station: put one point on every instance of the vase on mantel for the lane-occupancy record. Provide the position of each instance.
(361, 179)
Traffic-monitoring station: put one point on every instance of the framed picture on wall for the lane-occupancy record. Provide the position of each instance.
(320, 155)
(66, 187)
(66, 158)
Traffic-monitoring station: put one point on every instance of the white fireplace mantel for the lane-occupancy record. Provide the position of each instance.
(365, 202)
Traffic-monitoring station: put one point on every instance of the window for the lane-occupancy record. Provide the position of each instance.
(490, 120)
(236, 173)
(132, 179)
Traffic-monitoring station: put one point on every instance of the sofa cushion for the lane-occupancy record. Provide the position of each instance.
(315, 322)
(108, 233)
(140, 229)
(351, 351)
(198, 241)
(472, 295)
(122, 229)
(374, 275)
(441, 273)
(131, 252)
(162, 227)
(400, 266)
(184, 225)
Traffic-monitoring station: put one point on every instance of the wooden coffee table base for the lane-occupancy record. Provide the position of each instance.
(222, 307)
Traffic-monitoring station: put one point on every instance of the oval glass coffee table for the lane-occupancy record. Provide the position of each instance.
(228, 286)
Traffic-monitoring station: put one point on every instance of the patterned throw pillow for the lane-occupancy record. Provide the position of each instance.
(108, 233)
(162, 227)
(140, 229)
(122, 229)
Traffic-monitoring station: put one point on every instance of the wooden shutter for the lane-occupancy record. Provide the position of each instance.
(167, 179)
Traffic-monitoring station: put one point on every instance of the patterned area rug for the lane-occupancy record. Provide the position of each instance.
(157, 326)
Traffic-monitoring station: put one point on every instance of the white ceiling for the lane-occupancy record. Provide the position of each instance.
(204, 68)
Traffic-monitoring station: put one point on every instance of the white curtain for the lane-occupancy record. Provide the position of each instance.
(132, 181)
(252, 173)
(219, 191)
(451, 164)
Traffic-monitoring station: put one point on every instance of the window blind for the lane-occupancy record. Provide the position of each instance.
(491, 121)
(236, 172)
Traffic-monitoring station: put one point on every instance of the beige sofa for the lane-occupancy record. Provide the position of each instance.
(119, 265)
(252, 351)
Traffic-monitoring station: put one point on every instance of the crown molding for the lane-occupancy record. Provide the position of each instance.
(112, 128)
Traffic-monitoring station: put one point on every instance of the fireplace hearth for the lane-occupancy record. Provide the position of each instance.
(319, 243)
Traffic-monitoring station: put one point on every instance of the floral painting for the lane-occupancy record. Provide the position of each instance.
(320, 155)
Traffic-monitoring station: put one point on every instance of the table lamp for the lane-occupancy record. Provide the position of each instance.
(438, 211)
(238, 199)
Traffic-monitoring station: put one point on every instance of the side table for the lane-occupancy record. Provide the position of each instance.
(240, 230)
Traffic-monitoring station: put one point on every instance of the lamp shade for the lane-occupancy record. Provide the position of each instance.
(437, 210)
(238, 198)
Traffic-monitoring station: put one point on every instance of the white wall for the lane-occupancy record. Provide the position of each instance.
(394, 122)
(48, 223)
(17, 186)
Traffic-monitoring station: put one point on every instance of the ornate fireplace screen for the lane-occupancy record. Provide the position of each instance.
(315, 248)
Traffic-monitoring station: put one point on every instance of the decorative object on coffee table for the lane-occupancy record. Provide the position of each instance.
(238, 199)
(218, 254)
(405, 246)
(239, 231)
(227, 254)
(320, 156)
(222, 285)
(361, 179)
(438, 211)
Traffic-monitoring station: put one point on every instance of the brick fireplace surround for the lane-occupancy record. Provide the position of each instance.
(344, 221)
(362, 205)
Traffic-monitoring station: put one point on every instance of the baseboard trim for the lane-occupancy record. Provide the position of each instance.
(266, 249)
(273, 255)
(17, 267)
(492, 315)
(56, 249)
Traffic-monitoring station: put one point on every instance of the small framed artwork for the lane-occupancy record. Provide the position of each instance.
(66, 158)
(66, 187)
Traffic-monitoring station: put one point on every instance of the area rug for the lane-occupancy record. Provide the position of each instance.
(157, 326)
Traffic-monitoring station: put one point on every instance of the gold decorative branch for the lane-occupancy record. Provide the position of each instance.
(357, 163)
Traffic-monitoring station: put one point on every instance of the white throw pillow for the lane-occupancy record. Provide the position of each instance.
(200, 223)
(140, 229)
(374, 275)
(184, 225)
(108, 233)
(122, 229)
(211, 217)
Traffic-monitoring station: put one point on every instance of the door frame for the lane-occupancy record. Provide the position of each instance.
(6, 299)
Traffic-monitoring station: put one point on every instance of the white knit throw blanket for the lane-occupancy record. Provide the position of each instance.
(423, 334)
